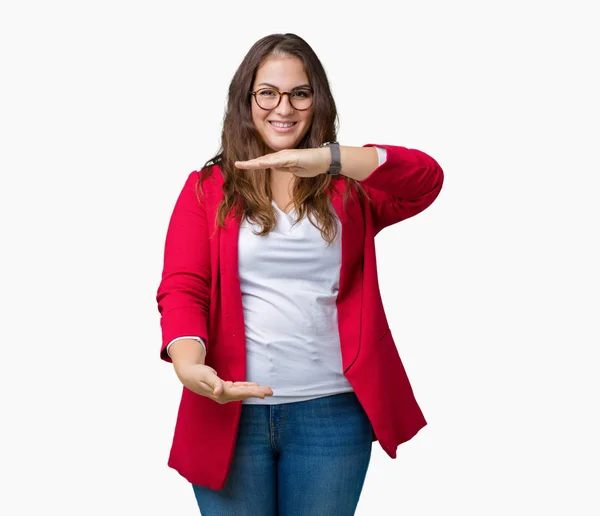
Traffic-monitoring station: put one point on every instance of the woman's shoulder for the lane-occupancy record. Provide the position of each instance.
(209, 176)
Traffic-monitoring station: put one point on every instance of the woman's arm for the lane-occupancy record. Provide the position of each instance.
(405, 184)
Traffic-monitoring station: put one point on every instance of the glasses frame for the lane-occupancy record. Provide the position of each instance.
(281, 94)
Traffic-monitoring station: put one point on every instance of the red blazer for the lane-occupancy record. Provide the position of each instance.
(199, 294)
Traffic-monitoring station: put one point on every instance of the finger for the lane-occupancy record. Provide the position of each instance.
(255, 391)
(266, 163)
(252, 163)
(242, 392)
(219, 387)
(276, 160)
(209, 377)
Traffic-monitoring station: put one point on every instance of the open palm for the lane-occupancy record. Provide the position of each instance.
(300, 162)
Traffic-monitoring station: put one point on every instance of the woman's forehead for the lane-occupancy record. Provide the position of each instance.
(281, 72)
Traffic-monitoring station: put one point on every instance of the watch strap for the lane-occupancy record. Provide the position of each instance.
(336, 158)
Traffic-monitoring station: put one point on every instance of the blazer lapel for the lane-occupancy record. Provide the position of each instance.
(349, 300)
(232, 319)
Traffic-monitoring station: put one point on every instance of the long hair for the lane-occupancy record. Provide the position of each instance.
(248, 192)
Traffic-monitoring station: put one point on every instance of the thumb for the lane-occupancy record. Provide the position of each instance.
(210, 379)
(218, 386)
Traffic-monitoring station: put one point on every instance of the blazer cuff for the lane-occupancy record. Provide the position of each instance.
(408, 173)
(382, 155)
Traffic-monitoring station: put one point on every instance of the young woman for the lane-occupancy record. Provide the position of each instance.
(270, 308)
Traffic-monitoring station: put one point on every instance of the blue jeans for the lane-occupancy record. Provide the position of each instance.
(308, 458)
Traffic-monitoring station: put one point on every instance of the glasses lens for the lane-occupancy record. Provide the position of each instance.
(267, 98)
(301, 99)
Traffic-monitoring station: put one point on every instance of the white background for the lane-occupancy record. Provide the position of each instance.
(492, 293)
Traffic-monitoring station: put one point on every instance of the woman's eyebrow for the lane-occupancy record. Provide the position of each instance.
(277, 88)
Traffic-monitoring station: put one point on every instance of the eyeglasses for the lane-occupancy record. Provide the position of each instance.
(269, 98)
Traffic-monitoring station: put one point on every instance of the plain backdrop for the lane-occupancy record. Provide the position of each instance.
(491, 293)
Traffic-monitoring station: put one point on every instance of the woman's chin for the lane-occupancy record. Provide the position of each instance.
(281, 144)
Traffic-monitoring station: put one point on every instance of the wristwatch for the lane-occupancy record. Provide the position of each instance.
(336, 159)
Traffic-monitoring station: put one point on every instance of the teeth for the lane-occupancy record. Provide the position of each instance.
(281, 124)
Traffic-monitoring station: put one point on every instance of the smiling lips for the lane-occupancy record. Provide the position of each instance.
(282, 127)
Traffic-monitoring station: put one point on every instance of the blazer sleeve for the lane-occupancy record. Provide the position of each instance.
(405, 184)
(183, 294)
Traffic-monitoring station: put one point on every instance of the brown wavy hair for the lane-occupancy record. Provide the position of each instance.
(247, 193)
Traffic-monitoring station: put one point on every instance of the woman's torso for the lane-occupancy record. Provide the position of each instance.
(289, 281)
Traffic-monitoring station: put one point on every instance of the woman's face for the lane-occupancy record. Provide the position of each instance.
(282, 127)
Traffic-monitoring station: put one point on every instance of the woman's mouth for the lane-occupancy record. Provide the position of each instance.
(282, 127)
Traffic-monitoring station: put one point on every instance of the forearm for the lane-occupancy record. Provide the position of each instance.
(358, 162)
(187, 351)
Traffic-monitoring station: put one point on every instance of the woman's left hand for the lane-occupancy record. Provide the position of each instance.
(300, 162)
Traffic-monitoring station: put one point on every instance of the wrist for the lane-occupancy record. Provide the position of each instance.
(325, 158)
(334, 165)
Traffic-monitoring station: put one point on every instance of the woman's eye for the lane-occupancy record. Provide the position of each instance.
(267, 93)
(302, 94)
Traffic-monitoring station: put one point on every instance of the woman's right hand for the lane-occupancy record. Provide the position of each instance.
(203, 380)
